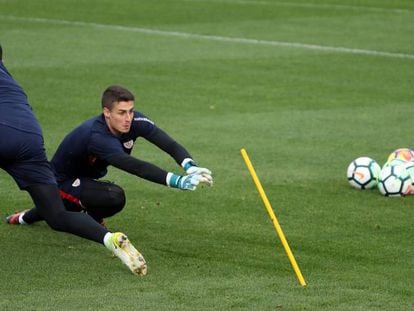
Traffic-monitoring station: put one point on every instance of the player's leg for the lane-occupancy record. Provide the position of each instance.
(32, 172)
(101, 199)
(22, 155)
(50, 207)
(27, 217)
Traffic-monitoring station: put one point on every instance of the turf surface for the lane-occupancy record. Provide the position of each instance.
(304, 86)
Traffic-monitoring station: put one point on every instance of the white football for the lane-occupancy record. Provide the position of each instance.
(395, 181)
(363, 173)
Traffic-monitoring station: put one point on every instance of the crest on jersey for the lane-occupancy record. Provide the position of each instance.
(128, 144)
(76, 183)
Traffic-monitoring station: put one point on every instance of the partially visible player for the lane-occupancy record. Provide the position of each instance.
(22, 156)
(107, 139)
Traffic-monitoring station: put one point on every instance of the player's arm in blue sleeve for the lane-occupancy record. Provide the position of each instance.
(163, 141)
(147, 129)
(137, 167)
(155, 174)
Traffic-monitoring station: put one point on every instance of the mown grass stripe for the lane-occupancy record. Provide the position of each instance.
(187, 35)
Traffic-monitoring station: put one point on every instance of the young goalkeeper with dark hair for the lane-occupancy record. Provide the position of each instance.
(85, 153)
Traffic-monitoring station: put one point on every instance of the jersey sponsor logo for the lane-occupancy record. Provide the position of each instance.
(76, 183)
(128, 144)
(143, 119)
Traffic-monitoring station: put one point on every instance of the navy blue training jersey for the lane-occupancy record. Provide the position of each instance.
(84, 151)
(15, 110)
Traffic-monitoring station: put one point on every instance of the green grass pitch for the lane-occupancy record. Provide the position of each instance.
(304, 86)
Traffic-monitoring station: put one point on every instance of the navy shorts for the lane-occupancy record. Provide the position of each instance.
(99, 198)
(70, 191)
(23, 156)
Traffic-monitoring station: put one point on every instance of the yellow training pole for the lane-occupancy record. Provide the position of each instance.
(273, 217)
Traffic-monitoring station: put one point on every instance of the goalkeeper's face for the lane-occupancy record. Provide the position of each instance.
(119, 118)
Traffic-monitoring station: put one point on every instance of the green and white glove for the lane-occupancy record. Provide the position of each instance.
(191, 167)
(187, 182)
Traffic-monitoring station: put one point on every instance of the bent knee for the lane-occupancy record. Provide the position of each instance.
(106, 195)
(118, 198)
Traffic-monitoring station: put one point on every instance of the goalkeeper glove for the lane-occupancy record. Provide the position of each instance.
(187, 182)
(191, 168)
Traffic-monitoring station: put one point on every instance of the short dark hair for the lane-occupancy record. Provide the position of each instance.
(114, 94)
(1, 53)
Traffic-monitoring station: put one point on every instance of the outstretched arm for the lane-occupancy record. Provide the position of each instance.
(140, 168)
(179, 153)
(155, 174)
(163, 141)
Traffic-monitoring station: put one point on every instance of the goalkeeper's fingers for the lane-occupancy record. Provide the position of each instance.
(205, 179)
(198, 170)
(193, 180)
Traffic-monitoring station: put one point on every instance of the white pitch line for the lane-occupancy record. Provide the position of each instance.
(327, 6)
(188, 35)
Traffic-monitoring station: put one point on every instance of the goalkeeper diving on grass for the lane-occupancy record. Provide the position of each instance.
(85, 153)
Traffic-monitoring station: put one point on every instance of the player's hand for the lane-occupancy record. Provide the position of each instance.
(191, 168)
(198, 170)
(187, 182)
(205, 172)
(190, 182)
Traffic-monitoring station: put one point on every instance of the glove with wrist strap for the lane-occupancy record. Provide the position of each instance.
(187, 182)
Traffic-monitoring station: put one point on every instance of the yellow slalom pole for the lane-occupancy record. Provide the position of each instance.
(273, 217)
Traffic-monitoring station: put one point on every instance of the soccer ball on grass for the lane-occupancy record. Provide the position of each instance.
(401, 153)
(363, 173)
(394, 179)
